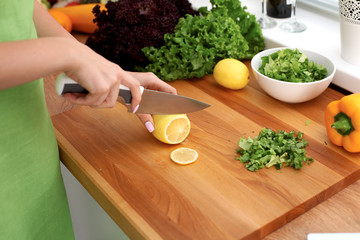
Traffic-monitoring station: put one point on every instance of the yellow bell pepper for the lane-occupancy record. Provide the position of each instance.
(342, 121)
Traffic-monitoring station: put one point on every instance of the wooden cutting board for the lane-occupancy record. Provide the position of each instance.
(130, 173)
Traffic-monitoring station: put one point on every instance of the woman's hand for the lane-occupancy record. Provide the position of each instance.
(151, 81)
(100, 77)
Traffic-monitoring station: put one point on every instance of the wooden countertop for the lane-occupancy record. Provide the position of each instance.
(327, 211)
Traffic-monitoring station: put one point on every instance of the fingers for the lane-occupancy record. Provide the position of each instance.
(104, 90)
(163, 86)
(134, 85)
(101, 99)
(150, 81)
(103, 80)
(147, 120)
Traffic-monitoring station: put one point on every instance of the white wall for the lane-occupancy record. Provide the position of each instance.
(90, 221)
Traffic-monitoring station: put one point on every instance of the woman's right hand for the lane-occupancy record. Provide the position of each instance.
(100, 77)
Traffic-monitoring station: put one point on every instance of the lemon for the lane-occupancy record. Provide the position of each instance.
(171, 129)
(231, 73)
(184, 155)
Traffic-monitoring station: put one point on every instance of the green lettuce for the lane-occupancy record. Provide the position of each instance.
(291, 66)
(199, 42)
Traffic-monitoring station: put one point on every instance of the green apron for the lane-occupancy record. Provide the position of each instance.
(33, 203)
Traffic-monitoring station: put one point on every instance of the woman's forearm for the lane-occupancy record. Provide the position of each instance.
(55, 51)
(28, 60)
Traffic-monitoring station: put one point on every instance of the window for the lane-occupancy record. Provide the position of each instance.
(329, 5)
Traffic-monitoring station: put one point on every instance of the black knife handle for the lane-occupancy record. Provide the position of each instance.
(64, 84)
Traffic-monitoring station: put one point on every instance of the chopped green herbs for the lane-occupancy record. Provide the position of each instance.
(272, 148)
(291, 66)
(307, 122)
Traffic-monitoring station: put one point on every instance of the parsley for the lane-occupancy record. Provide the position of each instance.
(272, 148)
(291, 66)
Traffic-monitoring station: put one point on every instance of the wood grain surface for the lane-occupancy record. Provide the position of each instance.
(130, 174)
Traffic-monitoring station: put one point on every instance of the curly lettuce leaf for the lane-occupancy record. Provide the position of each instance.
(199, 42)
(249, 27)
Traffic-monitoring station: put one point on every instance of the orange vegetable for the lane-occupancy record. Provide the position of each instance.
(81, 16)
(62, 19)
(342, 121)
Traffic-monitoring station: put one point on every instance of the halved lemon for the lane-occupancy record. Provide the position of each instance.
(184, 155)
(171, 129)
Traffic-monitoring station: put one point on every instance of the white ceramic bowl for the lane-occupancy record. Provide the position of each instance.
(293, 92)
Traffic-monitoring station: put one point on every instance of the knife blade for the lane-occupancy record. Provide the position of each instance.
(152, 102)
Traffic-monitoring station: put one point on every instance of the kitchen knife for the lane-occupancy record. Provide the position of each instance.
(152, 102)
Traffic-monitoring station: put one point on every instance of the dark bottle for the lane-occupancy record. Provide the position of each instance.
(278, 8)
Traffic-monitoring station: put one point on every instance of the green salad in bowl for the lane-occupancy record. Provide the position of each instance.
(291, 65)
(292, 75)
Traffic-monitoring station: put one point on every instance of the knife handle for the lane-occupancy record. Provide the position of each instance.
(64, 84)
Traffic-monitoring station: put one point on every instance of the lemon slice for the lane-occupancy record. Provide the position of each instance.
(184, 155)
(171, 129)
(231, 73)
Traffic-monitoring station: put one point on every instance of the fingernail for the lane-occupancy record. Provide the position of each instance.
(149, 126)
(135, 109)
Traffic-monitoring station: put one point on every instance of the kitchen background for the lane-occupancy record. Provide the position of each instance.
(322, 35)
